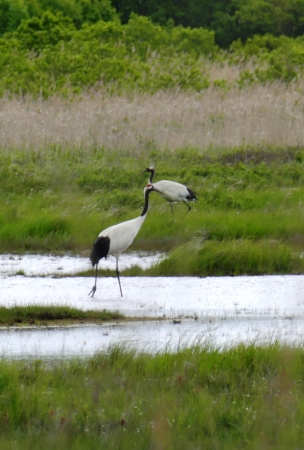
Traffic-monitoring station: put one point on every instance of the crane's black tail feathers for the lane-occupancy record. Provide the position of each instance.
(100, 249)
(192, 195)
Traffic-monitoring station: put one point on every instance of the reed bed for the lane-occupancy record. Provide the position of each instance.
(214, 118)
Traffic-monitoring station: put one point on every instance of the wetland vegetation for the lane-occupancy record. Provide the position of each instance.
(92, 93)
(36, 315)
(246, 397)
(249, 218)
(90, 96)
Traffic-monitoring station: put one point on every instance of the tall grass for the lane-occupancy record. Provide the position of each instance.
(237, 257)
(210, 120)
(244, 397)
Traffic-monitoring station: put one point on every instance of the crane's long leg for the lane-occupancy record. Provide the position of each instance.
(188, 206)
(171, 205)
(117, 273)
(93, 290)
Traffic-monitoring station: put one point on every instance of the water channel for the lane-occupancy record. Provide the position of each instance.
(218, 311)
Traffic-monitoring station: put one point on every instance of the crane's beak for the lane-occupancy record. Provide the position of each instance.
(144, 171)
(157, 190)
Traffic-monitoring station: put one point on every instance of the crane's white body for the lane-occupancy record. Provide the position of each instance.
(116, 239)
(172, 191)
(122, 235)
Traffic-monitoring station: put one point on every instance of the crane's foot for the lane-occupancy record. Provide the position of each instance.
(93, 290)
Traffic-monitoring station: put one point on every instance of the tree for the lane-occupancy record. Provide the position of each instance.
(12, 12)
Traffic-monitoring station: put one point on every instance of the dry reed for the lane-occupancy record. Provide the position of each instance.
(270, 113)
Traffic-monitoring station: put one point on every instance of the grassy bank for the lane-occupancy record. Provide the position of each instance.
(249, 218)
(54, 315)
(239, 257)
(245, 397)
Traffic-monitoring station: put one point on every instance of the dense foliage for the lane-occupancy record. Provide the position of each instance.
(230, 20)
(49, 54)
(13, 12)
(54, 46)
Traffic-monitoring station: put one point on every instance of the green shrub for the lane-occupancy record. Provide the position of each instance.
(12, 12)
(38, 33)
(278, 59)
(48, 54)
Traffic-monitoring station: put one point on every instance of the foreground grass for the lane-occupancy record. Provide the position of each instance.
(247, 397)
(44, 315)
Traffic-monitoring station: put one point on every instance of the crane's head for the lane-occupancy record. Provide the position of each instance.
(150, 169)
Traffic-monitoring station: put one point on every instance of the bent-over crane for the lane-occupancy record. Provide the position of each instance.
(171, 190)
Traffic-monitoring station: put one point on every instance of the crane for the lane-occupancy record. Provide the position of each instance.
(116, 239)
(172, 191)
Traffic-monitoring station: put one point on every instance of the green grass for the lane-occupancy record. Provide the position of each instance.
(247, 397)
(250, 207)
(237, 257)
(35, 314)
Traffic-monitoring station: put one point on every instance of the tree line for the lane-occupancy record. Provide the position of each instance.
(230, 20)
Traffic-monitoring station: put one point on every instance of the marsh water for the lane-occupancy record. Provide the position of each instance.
(218, 311)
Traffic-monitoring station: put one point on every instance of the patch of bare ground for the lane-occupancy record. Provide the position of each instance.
(215, 118)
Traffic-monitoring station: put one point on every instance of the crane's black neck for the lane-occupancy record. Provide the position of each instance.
(146, 206)
(152, 172)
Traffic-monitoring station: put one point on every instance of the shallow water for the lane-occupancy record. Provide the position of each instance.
(41, 265)
(222, 311)
(151, 337)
